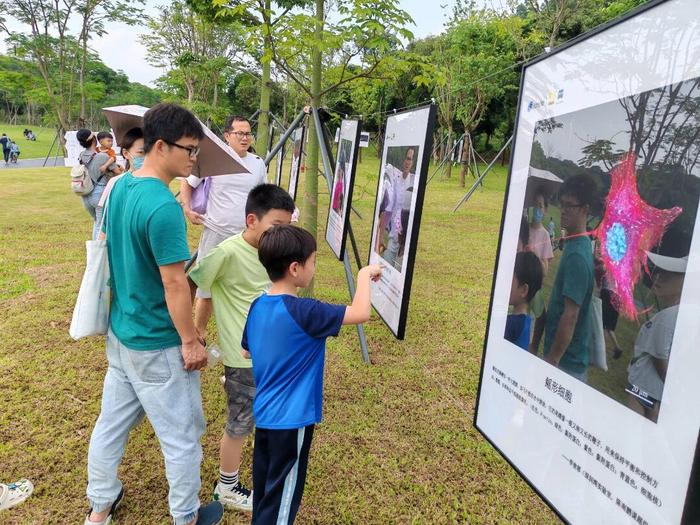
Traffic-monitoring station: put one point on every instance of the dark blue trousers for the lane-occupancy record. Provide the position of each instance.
(280, 459)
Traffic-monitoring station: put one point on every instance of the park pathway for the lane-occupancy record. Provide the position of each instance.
(33, 163)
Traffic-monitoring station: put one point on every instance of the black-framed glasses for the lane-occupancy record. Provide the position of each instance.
(241, 134)
(193, 151)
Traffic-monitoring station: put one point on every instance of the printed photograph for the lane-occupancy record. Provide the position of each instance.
(297, 152)
(341, 177)
(396, 198)
(606, 229)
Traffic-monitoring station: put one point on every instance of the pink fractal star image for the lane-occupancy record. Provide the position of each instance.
(630, 228)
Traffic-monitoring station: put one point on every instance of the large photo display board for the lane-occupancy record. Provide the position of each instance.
(297, 152)
(397, 211)
(341, 189)
(589, 382)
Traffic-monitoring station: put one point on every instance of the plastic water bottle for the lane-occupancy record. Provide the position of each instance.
(213, 355)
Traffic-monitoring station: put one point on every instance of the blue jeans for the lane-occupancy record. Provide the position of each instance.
(153, 383)
(90, 202)
(392, 252)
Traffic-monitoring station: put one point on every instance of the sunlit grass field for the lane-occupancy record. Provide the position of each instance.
(397, 443)
(30, 149)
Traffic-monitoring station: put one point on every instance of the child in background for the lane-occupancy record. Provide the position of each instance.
(105, 140)
(233, 273)
(286, 337)
(527, 280)
(540, 240)
(652, 349)
(14, 152)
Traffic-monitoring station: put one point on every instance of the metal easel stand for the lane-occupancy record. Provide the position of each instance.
(447, 158)
(294, 125)
(276, 121)
(483, 175)
(328, 172)
(55, 138)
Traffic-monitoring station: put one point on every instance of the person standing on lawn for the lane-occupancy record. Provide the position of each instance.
(153, 348)
(6, 143)
(225, 215)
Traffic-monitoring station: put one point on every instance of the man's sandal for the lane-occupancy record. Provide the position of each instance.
(14, 493)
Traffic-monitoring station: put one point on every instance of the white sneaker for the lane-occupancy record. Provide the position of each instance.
(239, 498)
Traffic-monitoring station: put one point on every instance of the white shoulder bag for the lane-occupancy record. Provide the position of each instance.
(91, 312)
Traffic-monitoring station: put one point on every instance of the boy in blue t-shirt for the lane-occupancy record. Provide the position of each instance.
(286, 337)
(527, 280)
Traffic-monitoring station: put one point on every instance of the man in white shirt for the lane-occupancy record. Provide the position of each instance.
(225, 215)
(394, 217)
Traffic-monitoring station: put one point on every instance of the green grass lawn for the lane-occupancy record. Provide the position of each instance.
(30, 149)
(397, 443)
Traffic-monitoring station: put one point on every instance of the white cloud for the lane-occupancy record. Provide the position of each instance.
(121, 49)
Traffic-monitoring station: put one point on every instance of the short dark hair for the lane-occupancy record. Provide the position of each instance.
(128, 140)
(674, 243)
(524, 234)
(282, 245)
(104, 135)
(235, 118)
(169, 122)
(528, 270)
(541, 192)
(130, 137)
(582, 187)
(84, 137)
(266, 197)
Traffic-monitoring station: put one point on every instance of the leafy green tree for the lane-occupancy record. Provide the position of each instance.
(481, 52)
(324, 50)
(60, 56)
(260, 18)
(199, 56)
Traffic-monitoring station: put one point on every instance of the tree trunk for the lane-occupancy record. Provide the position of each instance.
(309, 214)
(265, 89)
(464, 160)
(448, 153)
(81, 80)
(463, 175)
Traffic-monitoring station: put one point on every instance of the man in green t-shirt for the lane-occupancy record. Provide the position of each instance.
(236, 278)
(568, 326)
(153, 350)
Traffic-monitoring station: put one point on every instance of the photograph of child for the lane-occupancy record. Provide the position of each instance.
(573, 160)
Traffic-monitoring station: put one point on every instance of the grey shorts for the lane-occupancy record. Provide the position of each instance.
(240, 391)
(209, 240)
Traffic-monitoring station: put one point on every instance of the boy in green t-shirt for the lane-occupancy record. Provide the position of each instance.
(233, 273)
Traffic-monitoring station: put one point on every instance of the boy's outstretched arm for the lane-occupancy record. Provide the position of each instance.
(360, 309)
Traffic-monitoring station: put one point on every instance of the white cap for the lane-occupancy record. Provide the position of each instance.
(670, 264)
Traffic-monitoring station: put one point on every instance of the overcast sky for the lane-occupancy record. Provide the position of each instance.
(120, 49)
